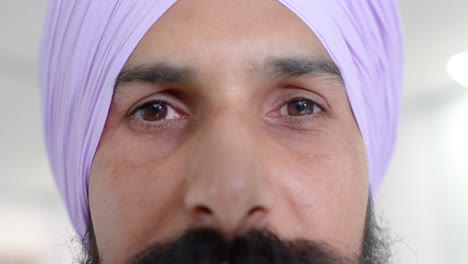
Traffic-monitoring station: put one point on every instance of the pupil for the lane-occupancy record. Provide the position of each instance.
(301, 106)
(155, 109)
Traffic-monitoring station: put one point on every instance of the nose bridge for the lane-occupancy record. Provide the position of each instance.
(227, 177)
(230, 140)
(228, 147)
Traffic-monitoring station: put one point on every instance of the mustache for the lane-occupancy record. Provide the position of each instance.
(208, 246)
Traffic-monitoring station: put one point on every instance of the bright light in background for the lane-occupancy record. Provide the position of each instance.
(458, 68)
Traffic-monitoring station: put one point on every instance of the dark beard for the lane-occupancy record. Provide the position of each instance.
(255, 247)
(208, 246)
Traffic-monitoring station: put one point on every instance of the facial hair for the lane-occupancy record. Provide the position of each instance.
(209, 246)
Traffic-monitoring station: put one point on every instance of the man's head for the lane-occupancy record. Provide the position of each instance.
(230, 137)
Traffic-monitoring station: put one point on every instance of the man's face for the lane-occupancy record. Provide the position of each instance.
(229, 115)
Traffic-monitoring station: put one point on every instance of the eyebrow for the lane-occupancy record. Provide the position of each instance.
(284, 67)
(157, 73)
(304, 66)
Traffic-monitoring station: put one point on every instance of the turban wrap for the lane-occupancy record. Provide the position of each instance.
(86, 43)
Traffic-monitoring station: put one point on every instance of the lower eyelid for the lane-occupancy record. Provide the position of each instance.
(304, 123)
(155, 127)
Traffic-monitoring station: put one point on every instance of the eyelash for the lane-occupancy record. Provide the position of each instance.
(301, 98)
(163, 125)
(298, 123)
(294, 122)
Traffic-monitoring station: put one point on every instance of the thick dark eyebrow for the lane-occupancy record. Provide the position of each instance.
(302, 66)
(284, 67)
(158, 73)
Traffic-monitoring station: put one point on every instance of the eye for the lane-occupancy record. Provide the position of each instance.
(300, 107)
(156, 111)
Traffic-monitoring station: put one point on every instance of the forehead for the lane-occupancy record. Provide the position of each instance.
(206, 32)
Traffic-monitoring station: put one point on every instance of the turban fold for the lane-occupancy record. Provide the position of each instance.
(86, 43)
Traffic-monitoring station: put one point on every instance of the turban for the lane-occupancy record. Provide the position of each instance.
(86, 43)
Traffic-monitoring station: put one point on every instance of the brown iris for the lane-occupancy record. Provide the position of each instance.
(154, 111)
(301, 107)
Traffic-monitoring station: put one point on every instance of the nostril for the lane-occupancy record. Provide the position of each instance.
(202, 210)
(255, 210)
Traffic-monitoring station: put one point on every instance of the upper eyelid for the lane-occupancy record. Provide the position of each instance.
(287, 98)
(154, 98)
(303, 98)
(293, 90)
(314, 101)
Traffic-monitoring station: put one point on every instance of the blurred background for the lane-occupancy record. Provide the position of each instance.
(423, 200)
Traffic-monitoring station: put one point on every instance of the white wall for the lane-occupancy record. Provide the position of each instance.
(424, 198)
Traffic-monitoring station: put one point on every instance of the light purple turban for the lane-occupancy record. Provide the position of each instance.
(86, 43)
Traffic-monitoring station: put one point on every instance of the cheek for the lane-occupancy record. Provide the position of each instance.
(324, 188)
(132, 184)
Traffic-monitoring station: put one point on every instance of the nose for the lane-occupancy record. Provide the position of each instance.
(228, 180)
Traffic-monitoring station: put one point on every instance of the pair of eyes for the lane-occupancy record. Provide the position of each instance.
(157, 111)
